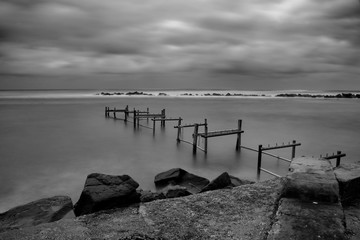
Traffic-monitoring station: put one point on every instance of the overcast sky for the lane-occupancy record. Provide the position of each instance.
(241, 37)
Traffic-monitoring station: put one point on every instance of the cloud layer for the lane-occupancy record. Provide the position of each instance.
(250, 37)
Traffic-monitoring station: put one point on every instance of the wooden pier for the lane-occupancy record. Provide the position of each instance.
(261, 150)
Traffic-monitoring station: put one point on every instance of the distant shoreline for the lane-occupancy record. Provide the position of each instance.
(348, 95)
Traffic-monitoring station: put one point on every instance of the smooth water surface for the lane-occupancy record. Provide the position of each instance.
(49, 146)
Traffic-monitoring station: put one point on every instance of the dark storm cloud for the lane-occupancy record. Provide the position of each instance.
(246, 37)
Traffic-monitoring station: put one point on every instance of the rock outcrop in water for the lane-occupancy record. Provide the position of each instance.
(103, 192)
(178, 176)
(34, 213)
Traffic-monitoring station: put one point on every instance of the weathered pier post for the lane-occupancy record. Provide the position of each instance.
(178, 130)
(195, 136)
(147, 112)
(126, 112)
(134, 118)
(293, 149)
(338, 158)
(238, 140)
(106, 111)
(163, 117)
(138, 119)
(114, 113)
(259, 160)
(154, 125)
(206, 139)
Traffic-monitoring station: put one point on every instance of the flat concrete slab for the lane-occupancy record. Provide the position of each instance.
(311, 179)
(352, 219)
(299, 220)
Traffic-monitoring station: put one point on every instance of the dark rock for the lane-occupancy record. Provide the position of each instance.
(34, 213)
(311, 179)
(105, 192)
(296, 219)
(178, 176)
(220, 182)
(148, 196)
(176, 191)
(235, 182)
(348, 176)
(352, 221)
(245, 212)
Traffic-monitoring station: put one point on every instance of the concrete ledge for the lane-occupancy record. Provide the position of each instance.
(348, 176)
(311, 179)
(299, 220)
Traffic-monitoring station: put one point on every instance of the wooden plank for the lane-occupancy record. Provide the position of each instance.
(165, 119)
(281, 146)
(220, 133)
(335, 156)
(190, 125)
(148, 115)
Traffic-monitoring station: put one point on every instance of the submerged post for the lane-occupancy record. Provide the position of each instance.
(147, 112)
(195, 136)
(163, 117)
(153, 126)
(206, 139)
(238, 140)
(134, 118)
(338, 158)
(105, 111)
(259, 160)
(293, 150)
(115, 113)
(178, 130)
(126, 112)
(138, 119)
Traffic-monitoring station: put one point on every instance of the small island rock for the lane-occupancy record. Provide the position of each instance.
(103, 192)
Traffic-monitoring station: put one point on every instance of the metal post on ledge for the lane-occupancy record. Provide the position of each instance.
(259, 160)
(293, 150)
(338, 158)
(206, 139)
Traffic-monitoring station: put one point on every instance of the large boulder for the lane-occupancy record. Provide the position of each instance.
(348, 176)
(105, 192)
(34, 213)
(311, 179)
(178, 176)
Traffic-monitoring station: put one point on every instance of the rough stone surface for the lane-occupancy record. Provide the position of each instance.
(34, 213)
(352, 220)
(348, 176)
(176, 191)
(148, 196)
(178, 176)
(235, 182)
(299, 220)
(220, 182)
(311, 179)
(105, 192)
(243, 212)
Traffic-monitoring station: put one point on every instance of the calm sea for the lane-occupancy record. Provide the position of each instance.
(49, 145)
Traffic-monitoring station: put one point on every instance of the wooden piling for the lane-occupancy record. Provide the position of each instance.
(114, 113)
(138, 119)
(134, 118)
(338, 158)
(178, 130)
(163, 116)
(195, 136)
(293, 149)
(206, 139)
(259, 160)
(126, 112)
(147, 112)
(238, 140)
(154, 126)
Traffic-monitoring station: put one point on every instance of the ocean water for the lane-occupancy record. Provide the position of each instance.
(49, 144)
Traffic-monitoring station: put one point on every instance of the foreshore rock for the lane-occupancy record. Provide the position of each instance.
(103, 192)
(220, 182)
(243, 212)
(178, 176)
(37, 212)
